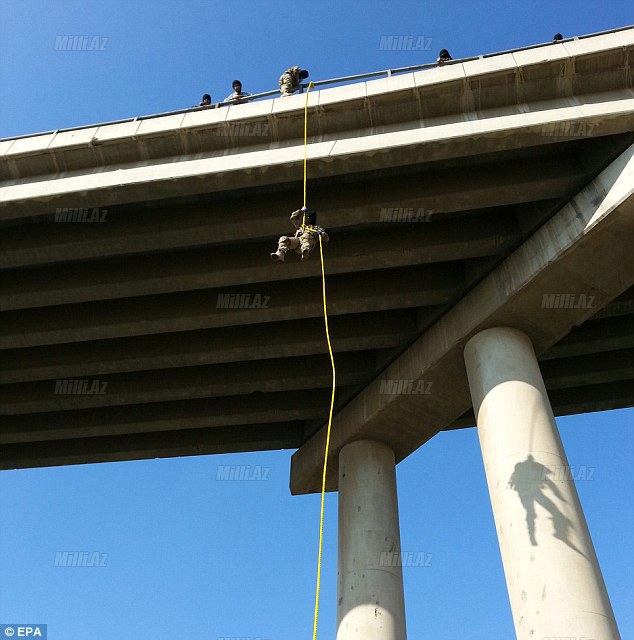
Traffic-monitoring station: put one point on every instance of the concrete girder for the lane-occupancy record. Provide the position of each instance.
(597, 397)
(362, 151)
(607, 334)
(198, 413)
(180, 442)
(596, 368)
(129, 230)
(401, 245)
(248, 343)
(426, 285)
(228, 379)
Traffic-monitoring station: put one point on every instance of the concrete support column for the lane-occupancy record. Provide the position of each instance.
(552, 573)
(370, 603)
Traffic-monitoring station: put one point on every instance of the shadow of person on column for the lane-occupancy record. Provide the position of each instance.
(530, 479)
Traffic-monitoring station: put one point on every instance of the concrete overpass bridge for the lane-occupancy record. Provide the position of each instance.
(481, 221)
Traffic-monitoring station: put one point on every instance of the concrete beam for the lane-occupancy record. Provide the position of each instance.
(427, 285)
(596, 397)
(587, 369)
(485, 132)
(201, 413)
(401, 245)
(604, 334)
(128, 230)
(229, 379)
(144, 446)
(303, 337)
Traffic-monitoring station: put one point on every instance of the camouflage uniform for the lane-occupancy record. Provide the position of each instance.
(290, 81)
(303, 241)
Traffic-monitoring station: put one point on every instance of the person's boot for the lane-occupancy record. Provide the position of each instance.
(305, 253)
(278, 256)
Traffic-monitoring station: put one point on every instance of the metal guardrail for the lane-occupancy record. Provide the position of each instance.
(319, 83)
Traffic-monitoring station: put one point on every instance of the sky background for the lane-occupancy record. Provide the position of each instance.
(188, 555)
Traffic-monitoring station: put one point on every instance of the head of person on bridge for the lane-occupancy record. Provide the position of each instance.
(238, 95)
(443, 56)
(557, 37)
(303, 74)
(206, 101)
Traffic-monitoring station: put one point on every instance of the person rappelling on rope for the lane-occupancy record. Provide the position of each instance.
(306, 236)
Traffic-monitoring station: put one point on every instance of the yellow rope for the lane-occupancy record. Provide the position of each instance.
(306, 140)
(323, 477)
(334, 373)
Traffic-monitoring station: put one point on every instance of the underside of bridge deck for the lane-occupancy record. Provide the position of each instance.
(162, 327)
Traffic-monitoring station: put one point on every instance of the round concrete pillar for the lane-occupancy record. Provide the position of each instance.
(552, 573)
(370, 603)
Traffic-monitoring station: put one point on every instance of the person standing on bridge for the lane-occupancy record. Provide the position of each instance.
(238, 95)
(291, 79)
(443, 57)
(305, 238)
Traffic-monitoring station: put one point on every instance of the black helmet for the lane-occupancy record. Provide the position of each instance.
(303, 74)
(311, 217)
(557, 37)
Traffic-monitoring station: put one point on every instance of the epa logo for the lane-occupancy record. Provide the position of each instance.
(24, 631)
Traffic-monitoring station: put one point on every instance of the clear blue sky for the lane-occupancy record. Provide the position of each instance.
(190, 556)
